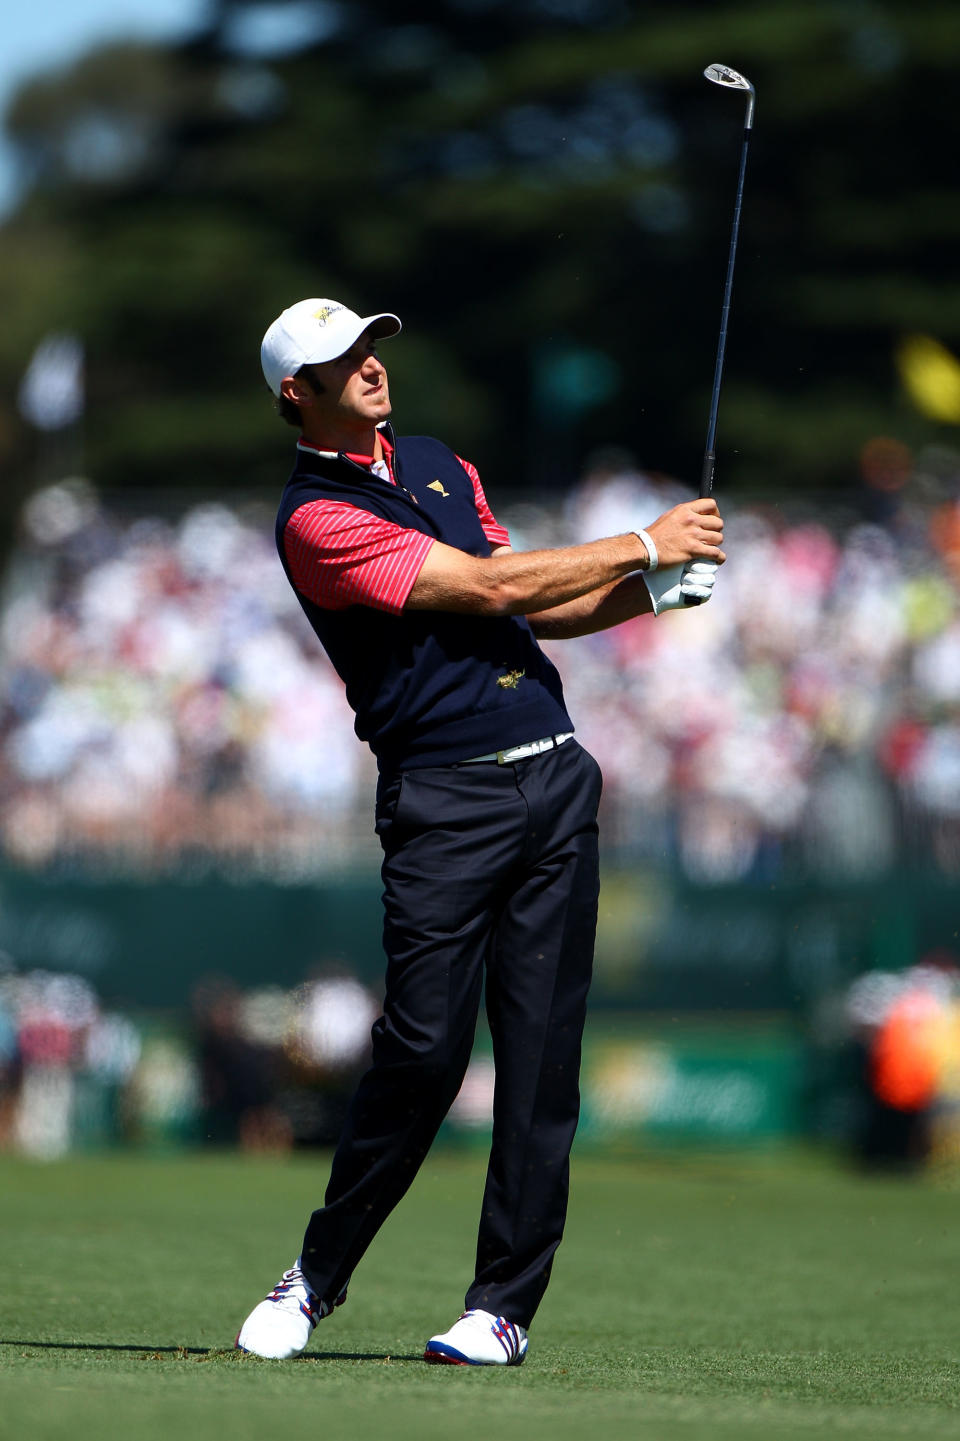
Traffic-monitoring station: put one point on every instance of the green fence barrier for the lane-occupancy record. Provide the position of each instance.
(738, 1081)
(662, 944)
(706, 1008)
(666, 944)
(147, 943)
(734, 1084)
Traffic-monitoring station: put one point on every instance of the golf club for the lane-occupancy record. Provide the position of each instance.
(733, 80)
(723, 75)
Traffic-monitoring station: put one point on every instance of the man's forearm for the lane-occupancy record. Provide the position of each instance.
(598, 610)
(528, 583)
(524, 582)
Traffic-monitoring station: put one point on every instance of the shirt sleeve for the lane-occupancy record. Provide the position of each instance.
(340, 555)
(496, 534)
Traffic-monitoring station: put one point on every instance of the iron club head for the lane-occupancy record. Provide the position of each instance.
(733, 80)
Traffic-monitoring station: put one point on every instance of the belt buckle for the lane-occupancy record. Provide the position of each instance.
(510, 754)
(527, 748)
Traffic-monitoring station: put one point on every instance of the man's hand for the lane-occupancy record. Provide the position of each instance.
(674, 586)
(690, 531)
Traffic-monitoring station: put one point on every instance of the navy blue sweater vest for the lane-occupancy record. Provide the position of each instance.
(427, 687)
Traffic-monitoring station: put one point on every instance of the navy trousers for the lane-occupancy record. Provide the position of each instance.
(488, 870)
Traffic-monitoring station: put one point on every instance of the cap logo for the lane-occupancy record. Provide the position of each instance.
(325, 312)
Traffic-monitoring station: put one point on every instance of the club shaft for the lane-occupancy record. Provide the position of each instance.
(709, 458)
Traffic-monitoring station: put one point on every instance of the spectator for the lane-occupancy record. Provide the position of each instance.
(157, 682)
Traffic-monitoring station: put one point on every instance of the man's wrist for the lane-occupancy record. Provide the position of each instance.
(646, 540)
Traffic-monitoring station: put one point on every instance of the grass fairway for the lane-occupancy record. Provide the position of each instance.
(721, 1298)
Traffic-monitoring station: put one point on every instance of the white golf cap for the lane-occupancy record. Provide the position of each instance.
(313, 331)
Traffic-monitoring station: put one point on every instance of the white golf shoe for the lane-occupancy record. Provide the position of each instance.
(281, 1325)
(479, 1339)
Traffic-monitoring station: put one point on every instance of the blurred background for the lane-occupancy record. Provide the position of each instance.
(543, 189)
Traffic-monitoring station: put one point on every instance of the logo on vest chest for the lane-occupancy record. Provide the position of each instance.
(511, 680)
(438, 487)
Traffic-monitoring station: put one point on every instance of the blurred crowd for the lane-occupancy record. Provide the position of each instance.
(164, 704)
(277, 1067)
(804, 724)
(903, 1029)
(67, 1066)
(265, 1069)
(268, 1069)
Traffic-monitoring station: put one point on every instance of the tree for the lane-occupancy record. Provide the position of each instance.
(543, 189)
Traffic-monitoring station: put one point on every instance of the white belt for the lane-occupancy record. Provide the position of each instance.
(521, 753)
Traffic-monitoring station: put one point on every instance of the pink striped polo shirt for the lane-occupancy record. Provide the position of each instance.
(340, 555)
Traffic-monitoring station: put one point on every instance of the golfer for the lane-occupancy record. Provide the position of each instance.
(486, 811)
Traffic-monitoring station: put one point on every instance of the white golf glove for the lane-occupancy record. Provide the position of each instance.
(677, 586)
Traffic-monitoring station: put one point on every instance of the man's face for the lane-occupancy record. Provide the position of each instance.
(355, 391)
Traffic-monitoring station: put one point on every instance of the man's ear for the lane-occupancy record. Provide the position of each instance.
(296, 391)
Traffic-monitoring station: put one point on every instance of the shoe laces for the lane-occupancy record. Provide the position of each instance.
(292, 1293)
(486, 1321)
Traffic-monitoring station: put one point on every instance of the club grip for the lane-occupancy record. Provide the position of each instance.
(706, 475)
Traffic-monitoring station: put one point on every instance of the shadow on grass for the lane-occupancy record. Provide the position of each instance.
(204, 1353)
(108, 1346)
(381, 1356)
